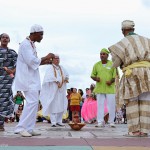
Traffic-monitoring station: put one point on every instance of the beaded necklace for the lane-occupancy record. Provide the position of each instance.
(59, 85)
(33, 46)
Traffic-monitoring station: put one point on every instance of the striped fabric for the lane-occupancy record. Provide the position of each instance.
(2, 119)
(138, 115)
(132, 49)
(8, 58)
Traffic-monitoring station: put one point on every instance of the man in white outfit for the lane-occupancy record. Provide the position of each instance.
(27, 79)
(53, 93)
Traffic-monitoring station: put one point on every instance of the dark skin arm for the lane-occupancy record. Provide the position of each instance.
(47, 59)
(97, 79)
(44, 60)
(9, 71)
(110, 82)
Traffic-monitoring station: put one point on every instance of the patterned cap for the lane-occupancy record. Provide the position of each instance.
(128, 24)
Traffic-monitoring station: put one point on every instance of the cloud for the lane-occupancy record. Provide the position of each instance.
(146, 3)
(74, 29)
(58, 8)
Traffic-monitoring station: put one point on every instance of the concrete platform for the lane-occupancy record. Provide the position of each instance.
(64, 138)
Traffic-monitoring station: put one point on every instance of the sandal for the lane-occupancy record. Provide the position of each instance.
(2, 128)
(133, 134)
(143, 134)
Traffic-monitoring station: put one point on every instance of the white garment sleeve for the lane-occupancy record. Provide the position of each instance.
(29, 56)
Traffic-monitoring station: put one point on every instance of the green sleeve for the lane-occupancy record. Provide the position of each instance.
(94, 72)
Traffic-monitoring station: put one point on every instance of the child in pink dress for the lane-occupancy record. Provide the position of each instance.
(89, 108)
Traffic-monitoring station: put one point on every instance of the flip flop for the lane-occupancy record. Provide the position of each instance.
(130, 134)
(143, 135)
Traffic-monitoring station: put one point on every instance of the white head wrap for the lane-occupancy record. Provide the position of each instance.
(36, 28)
(128, 24)
(56, 55)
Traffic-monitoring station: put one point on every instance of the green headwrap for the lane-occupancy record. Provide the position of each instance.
(104, 50)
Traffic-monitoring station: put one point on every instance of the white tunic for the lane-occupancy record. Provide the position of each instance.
(53, 99)
(27, 75)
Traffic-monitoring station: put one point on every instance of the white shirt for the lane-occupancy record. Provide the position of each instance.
(27, 75)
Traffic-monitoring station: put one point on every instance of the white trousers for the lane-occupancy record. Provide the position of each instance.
(111, 105)
(29, 114)
(56, 118)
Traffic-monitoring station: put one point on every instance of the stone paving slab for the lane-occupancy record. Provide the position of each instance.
(64, 136)
(145, 142)
(42, 142)
(89, 131)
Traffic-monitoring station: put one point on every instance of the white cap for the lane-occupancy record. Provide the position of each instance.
(56, 55)
(128, 24)
(36, 28)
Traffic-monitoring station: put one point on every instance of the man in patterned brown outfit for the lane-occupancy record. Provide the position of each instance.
(132, 54)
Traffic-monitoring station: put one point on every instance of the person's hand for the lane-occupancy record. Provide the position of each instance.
(108, 83)
(66, 80)
(98, 79)
(47, 59)
(9, 71)
(59, 84)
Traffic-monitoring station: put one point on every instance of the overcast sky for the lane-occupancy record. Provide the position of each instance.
(74, 29)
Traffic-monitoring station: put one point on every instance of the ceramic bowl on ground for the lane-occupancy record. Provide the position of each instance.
(76, 126)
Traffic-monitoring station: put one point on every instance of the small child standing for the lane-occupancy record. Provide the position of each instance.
(75, 99)
(119, 116)
(89, 108)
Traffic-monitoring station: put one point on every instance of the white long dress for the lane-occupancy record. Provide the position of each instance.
(54, 99)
